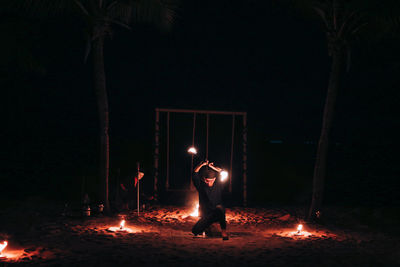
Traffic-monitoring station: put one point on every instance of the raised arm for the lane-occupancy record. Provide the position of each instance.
(195, 176)
(215, 168)
(198, 167)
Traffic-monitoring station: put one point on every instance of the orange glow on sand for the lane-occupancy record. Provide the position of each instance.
(12, 255)
(301, 233)
(195, 212)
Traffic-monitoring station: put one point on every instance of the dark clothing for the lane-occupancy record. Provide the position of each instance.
(210, 204)
(127, 192)
(217, 215)
(209, 197)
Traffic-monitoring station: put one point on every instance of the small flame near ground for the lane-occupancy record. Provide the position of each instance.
(122, 224)
(2, 247)
(122, 228)
(299, 228)
(195, 212)
(192, 150)
(300, 232)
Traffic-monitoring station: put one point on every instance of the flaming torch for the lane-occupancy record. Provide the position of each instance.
(192, 150)
(122, 224)
(224, 176)
(2, 247)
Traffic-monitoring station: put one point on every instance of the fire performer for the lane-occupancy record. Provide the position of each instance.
(210, 198)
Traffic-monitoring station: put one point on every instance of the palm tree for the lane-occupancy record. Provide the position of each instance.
(99, 17)
(343, 22)
(341, 26)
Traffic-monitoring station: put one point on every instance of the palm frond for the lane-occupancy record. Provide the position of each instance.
(322, 15)
(157, 12)
(82, 7)
(120, 11)
(346, 22)
(41, 8)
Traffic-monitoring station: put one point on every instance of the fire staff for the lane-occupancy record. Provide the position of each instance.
(210, 198)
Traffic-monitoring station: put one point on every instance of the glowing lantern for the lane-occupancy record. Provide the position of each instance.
(2, 247)
(122, 224)
(192, 150)
(224, 175)
(299, 228)
(195, 213)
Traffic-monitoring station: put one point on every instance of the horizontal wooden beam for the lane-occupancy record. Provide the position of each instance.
(201, 111)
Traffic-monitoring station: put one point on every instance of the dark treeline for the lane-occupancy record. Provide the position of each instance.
(256, 57)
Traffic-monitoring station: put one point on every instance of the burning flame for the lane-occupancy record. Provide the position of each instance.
(121, 228)
(192, 150)
(224, 175)
(3, 246)
(195, 213)
(299, 228)
(122, 224)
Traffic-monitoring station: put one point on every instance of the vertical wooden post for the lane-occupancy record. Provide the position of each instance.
(167, 177)
(191, 165)
(138, 188)
(232, 143)
(156, 152)
(245, 159)
(207, 122)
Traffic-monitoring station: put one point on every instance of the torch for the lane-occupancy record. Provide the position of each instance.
(192, 150)
(223, 175)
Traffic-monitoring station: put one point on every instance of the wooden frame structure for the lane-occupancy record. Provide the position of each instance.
(208, 113)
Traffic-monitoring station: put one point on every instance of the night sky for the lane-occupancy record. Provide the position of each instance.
(253, 56)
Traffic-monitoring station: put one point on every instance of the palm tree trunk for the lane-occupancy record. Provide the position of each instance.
(323, 144)
(102, 105)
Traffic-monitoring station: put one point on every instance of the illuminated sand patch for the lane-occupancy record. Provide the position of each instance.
(125, 229)
(300, 233)
(122, 228)
(13, 255)
(246, 216)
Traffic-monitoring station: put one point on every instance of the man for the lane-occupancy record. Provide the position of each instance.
(128, 190)
(210, 198)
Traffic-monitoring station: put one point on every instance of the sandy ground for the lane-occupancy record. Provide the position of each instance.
(161, 236)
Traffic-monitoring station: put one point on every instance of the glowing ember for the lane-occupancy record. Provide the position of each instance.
(224, 175)
(195, 213)
(122, 224)
(3, 246)
(192, 150)
(299, 228)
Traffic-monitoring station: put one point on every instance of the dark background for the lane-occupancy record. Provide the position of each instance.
(253, 56)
